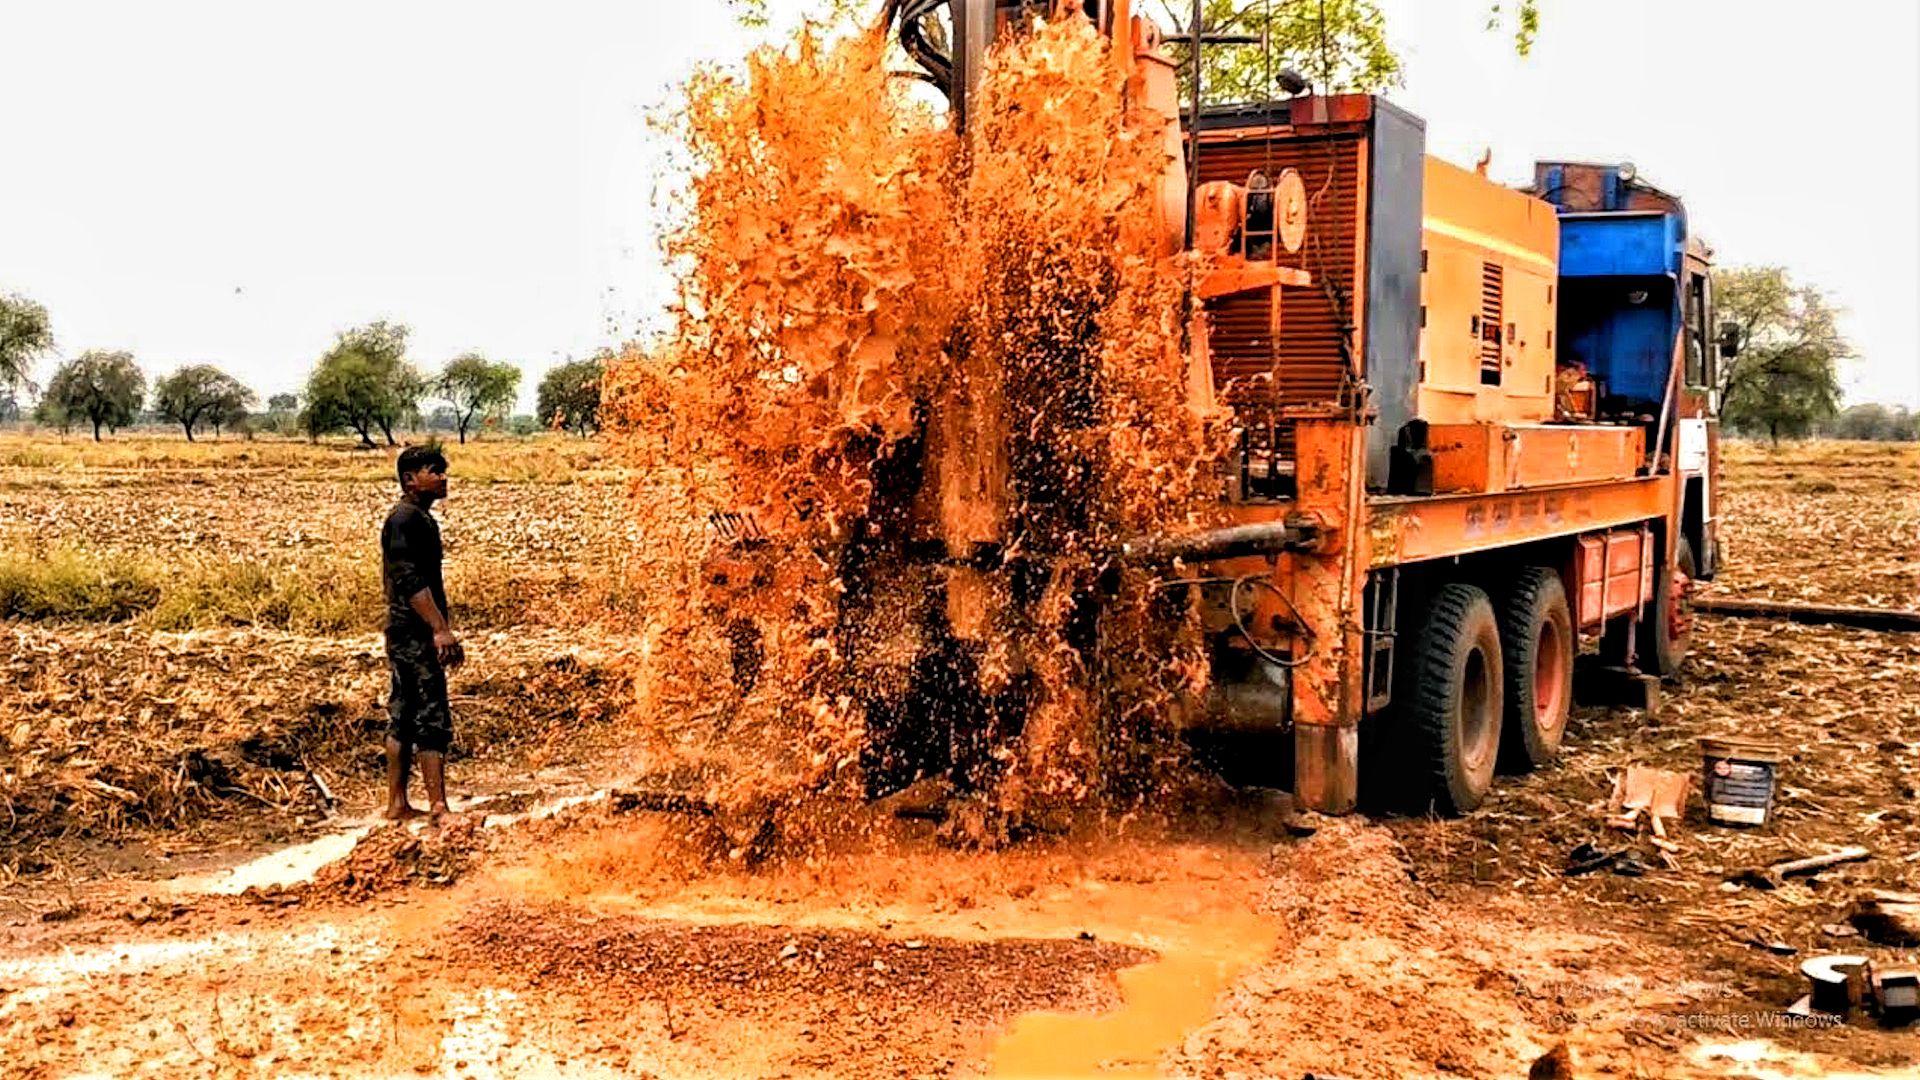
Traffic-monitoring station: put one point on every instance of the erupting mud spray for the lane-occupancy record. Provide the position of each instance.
(920, 389)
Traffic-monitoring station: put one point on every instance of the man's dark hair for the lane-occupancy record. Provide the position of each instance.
(415, 458)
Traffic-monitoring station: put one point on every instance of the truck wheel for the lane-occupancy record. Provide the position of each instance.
(1537, 647)
(1453, 700)
(1672, 623)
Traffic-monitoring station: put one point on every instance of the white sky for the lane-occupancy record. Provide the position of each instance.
(233, 182)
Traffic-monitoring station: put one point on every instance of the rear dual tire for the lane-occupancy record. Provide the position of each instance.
(1538, 646)
(1489, 687)
(1454, 698)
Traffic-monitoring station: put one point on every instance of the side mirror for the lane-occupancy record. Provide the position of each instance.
(1729, 340)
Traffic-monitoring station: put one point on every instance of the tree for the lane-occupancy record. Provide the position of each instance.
(1339, 45)
(753, 13)
(233, 415)
(569, 396)
(282, 415)
(1786, 376)
(477, 388)
(50, 413)
(201, 393)
(26, 334)
(103, 388)
(1876, 423)
(363, 383)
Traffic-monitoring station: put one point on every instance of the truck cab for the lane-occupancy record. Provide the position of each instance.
(1636, 286)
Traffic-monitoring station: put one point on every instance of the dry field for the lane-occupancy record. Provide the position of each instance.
(190, 643)
(191, 629)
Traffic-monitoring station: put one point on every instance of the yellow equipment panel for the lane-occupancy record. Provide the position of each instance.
(1490, 258)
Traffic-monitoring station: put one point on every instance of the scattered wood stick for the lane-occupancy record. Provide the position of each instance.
(1773, 875)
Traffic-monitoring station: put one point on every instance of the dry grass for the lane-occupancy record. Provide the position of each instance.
(281, 534)
(182, 622)
(321, 594)
(1824, 522)
(552, 459)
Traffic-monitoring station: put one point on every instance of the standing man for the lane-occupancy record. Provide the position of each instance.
(421, 645)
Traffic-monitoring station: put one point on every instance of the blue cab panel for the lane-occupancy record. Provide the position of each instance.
(1619, 308)
(1621, 244)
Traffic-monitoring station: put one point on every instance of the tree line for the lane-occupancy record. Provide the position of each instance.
(1784, 381)
(364, 385)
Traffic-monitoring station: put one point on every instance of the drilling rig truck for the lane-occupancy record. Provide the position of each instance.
(1474, 427)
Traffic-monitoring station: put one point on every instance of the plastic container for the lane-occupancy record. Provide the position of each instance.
(1739, 780)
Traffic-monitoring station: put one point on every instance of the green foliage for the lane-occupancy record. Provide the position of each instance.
(281, 418)
(1526, 22)
(26, 334)
(103, 388)
(201, 394)
(753, 14)
(1339, 45)
(1786, 378)
(68, 585)
(364, 383)
(477, 388)
(569, 396)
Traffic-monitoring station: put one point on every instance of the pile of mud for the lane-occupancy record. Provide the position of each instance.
(386, 860)
(853, 996)
(920, 389)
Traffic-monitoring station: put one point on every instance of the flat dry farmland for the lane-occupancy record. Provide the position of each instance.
(255, 514)
(284, 534)
(1822, 522)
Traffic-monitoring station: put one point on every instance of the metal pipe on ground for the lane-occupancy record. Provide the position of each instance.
(1864, 618)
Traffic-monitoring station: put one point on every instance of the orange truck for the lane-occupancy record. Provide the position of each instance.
(1475, 428)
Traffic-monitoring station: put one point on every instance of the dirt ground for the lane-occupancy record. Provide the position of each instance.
(1205, 941)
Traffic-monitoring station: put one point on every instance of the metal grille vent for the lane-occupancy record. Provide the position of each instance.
(1311, 361)
(1492, 319)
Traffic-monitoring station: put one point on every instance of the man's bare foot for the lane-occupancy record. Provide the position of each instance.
(442, 814)
(403, 812)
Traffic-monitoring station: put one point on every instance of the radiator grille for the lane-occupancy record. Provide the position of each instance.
(1492, 317)
(1311, 364)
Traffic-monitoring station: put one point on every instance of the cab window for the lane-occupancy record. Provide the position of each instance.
(1696, 330)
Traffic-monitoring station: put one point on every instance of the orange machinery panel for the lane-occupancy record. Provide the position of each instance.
(1615, 575)
(1516, 457)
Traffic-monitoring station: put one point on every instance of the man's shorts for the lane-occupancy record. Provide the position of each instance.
(417, 710)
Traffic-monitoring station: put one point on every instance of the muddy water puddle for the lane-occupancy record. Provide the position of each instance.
(1161, 1001)
(1187, 913)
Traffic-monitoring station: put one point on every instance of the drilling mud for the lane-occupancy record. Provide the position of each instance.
(921, 389)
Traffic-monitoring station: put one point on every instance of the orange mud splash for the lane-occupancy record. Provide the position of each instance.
(917, 394)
